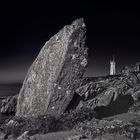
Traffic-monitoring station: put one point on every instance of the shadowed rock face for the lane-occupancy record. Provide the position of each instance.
(55, 74)
(119, 106)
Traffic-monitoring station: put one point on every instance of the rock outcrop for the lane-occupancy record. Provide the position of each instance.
(111, 95)
(100, 112)
(8, 105)
(55, 74)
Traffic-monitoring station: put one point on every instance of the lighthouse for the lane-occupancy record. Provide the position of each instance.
(112, 66)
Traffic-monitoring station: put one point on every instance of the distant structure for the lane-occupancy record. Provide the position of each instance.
(131, 68)
(137, 66)
(112, 66)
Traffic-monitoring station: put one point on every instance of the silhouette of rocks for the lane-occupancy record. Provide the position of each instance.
(55, 74)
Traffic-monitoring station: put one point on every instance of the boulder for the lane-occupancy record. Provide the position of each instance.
(8, 105)
(111, 95)
(55, 74)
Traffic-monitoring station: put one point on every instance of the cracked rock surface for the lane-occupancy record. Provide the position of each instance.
(55, 74)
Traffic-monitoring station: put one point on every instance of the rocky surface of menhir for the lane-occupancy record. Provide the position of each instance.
(55, 74)
(57, 103)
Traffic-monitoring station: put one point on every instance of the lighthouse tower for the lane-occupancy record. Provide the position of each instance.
(112, 66)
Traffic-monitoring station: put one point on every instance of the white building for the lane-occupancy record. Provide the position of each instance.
(112, 67)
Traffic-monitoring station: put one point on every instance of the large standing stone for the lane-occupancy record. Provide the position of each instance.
(55, 74)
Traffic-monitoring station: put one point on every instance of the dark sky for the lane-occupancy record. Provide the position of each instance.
(112, 28)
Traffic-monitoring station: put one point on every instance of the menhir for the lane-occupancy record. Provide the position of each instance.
(53, 77)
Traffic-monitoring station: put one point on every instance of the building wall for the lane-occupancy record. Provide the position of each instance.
(112, 68)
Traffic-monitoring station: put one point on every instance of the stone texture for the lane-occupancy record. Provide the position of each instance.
(2, 135)
(118, 126)
(24, 136)
(8, 105)
(111, 94)
(76, 137)
(55, 74)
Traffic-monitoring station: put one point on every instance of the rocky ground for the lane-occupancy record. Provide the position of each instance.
(105, 108)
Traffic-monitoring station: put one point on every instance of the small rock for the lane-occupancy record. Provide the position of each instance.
(77, 137)
(12, 122)
(9, 105)
(84, 62)
(2, 135)
(24, 136)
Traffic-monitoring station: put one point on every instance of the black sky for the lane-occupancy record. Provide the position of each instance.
(112, 28)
